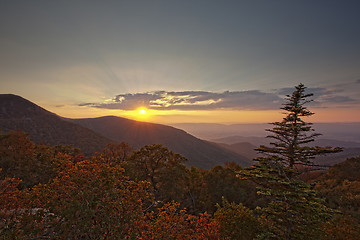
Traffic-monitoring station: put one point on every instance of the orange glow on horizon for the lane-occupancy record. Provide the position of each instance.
(213, 116)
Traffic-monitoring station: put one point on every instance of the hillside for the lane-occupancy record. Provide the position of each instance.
(91, 135)
(199, 153)
(17, 113)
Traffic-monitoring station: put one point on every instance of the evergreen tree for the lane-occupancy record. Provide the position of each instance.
(292, 134)
(294, 209)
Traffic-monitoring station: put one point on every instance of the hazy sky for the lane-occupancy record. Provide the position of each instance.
(185, 60)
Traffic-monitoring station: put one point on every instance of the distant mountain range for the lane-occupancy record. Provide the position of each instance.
(92, 134)
(347, 132)
(246, 145)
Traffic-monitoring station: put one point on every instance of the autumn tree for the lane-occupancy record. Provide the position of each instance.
(115, 154)
(164, 169)
(294, 209)
(340, 186)
(90, 200)
(171, 222)
(33, 163)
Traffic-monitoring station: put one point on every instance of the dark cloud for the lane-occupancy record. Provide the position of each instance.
(87, 104)
(358, 81)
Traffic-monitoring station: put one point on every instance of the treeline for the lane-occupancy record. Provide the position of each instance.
(120, 193)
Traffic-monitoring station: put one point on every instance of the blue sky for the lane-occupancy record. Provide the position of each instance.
(78, 56)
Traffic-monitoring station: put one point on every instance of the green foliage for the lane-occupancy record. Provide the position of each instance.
(208, 187)
(237, 222)
(294, 211)
(162, 168)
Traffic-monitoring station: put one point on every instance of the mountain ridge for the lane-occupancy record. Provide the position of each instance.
(43, 126)
(92, 134)
(142, 133)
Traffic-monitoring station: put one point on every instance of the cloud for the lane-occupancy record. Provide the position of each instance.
(318, 92)
(228, 100)
(192, 100)
(337, 99)
(322, 96)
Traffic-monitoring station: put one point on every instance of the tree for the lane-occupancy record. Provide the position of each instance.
(33, 164)
(115, 154)
(90, 200)
(208, 187)
(340, 186)
(294, 209)
(170, 222)
(164, 169)
(292, 134)
(237, 221)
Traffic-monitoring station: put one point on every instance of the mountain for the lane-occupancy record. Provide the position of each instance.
(92, 135)
(17, 113)
(200, 153)
(245, 146)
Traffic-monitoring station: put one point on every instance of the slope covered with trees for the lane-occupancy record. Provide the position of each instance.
(17, 113)
(199, 153)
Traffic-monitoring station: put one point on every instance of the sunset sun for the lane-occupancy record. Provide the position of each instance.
(142, 111)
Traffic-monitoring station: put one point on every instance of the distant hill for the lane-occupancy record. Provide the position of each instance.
(92, 135)
(338, 131)
(256, 141)
(199, 153)
(242, 148)
(17, 113)
(238, 145)
(210, 131)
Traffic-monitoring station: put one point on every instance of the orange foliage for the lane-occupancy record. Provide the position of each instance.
(171, 223)
(342, 227)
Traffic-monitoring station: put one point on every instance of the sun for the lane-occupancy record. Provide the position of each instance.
(142, 111)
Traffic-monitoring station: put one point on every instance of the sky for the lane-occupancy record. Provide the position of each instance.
(182, 61)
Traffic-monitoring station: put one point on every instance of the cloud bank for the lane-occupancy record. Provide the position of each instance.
(228, 100)
(192, 100)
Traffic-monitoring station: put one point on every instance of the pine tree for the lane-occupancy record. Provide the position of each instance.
(291, 136)
(294, 210)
